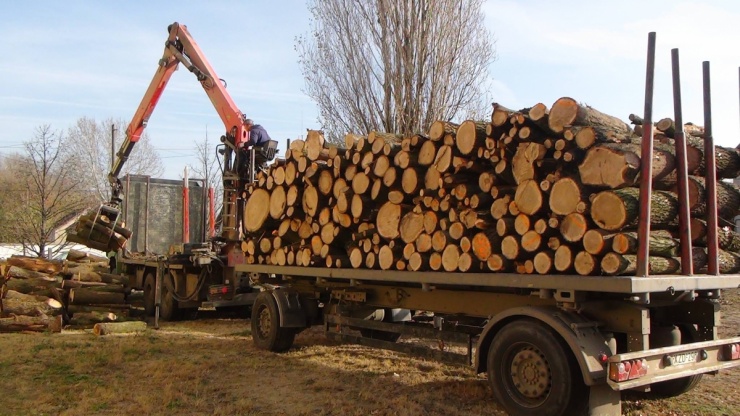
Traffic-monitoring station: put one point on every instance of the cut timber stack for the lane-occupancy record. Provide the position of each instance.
(41, 295)
(539, 190)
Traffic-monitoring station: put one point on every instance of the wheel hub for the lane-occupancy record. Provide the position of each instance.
(264, 323)
(530, 373)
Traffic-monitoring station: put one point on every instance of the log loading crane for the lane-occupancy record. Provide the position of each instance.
(193, 272)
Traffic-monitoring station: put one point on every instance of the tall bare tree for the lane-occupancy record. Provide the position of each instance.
(208, 169)
(90, 141)
(395, 65)
(53, 194)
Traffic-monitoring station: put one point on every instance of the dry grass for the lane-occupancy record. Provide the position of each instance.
(211, 367)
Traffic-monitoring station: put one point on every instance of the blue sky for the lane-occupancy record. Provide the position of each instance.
(65, 60)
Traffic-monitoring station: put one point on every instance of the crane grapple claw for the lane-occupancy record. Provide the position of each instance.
(101, 229)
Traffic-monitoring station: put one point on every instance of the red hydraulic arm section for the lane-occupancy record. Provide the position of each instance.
(181, 48)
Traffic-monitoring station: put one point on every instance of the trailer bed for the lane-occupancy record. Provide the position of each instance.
(609, 284)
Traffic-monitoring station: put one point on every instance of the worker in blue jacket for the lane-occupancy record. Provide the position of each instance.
(257, 134)
(258, 138)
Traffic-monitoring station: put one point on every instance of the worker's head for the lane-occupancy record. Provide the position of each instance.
(248, 123)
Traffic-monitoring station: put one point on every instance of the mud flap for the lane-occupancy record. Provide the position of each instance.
(292, 312)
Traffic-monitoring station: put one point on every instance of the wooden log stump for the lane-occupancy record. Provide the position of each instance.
(626, 264)
(616, 209)
(109, 328)
(567, 112)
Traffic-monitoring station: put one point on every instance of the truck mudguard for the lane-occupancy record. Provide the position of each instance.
(580, 334)
(292, 312)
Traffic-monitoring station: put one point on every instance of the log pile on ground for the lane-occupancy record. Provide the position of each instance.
(41, 295)
(531, 191)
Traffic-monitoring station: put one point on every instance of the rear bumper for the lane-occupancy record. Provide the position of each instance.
(669, 363)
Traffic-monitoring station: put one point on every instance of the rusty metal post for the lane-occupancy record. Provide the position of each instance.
(646, 163)
(710, 177)
(684, 214)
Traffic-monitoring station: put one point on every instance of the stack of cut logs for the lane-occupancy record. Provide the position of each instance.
(532, 191)
(44, 295)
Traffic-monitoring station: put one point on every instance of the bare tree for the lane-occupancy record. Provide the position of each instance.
(90, 141)
(395, 65)
(208, 169)
(53, 194)
(13, 189)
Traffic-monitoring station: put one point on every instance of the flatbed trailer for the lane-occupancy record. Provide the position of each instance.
(546, 341)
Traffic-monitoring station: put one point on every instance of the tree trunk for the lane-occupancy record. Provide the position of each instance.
(626, 264)
(16, 303)
(617, 209)
(567, 112)
(660, 244)
(544, 262)
(35, 264)
(586, 264)
(573, 227)
(528, 197)
(16, 272)
(36, 286)
(597, 241)
(21, 323)
(255, 213)
(440, 129)
(85, 296)
(470, 135)
(565, 197)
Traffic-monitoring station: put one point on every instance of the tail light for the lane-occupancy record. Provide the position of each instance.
(730, 352)
(628, 370)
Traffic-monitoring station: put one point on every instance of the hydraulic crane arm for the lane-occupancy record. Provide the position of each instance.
(179, 48)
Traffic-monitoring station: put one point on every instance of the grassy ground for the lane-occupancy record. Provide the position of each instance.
(211, 367)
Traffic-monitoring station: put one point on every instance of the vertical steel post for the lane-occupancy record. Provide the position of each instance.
(646, 163)
(252, 162)
(185, 208)
(146, 213)
(710, 177)
(211, 213)
(684, 214)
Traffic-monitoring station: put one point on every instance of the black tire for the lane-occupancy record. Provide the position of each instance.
(532, 372)
(266, 330)
(676, 387)
(168, 309)
(380, 335)
(149, 291)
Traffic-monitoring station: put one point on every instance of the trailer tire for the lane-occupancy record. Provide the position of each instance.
(266, 330)
(168, 309)
(149, 291)
(532, 372)
(678, 386)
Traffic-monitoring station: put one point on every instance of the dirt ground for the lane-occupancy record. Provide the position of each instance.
(210, 366)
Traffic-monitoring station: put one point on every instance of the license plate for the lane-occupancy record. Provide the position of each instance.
(684, 358)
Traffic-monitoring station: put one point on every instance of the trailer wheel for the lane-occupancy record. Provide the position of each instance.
(532, 373)
(168, 309)
(266, 330)
(149, 289)
(678, 386)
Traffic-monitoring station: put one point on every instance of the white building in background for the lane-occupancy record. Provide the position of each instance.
(7, 250)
